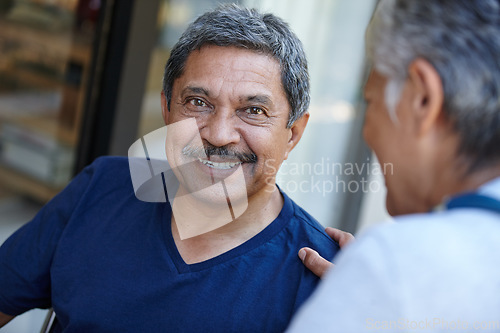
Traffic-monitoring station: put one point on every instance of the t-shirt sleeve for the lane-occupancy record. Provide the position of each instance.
(26, 256)
(359, 291)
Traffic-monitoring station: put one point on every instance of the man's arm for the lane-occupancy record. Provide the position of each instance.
(4, 319)
(317, 264)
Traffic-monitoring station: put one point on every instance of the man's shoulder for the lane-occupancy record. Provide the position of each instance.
(107, 164)
(105, 174)
(310, 232)
(437, 235)
(113, 168)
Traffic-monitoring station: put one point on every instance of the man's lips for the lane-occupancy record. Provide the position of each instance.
(219, 165)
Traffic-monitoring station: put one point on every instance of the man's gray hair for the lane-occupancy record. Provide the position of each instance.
(231, 25)
(461, 39)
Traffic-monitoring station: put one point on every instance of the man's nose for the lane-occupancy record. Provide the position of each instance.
(220, 128)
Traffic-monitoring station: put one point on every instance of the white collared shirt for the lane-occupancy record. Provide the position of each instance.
(426, 273)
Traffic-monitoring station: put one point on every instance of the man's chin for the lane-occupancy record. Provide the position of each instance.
(198, 213)
(221, 198)
(392, 207)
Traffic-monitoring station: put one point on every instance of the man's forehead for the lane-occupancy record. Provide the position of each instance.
(235, 57)
(246, 74)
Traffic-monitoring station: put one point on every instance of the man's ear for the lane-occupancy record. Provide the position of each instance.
(296, 132)
(164, 107)
(427, 95)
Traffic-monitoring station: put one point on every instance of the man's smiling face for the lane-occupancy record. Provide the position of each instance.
(241, 111)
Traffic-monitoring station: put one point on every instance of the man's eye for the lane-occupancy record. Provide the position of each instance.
(255, 110)
(197, 102)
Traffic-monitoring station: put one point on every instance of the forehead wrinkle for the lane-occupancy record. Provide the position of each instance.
(261, 72)
(241, 88)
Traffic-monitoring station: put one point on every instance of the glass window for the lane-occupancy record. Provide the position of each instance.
(46, 48)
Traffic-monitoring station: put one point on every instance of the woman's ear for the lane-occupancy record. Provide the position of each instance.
(427, 95)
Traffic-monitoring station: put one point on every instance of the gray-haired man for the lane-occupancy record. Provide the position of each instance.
(236, 93)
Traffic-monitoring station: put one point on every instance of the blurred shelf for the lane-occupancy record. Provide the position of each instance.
(48, 127)
(21, 183)
(31, 79)
(60, 44)
(46, 49)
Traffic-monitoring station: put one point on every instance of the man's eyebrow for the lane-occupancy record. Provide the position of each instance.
(195, 90)
(260, 99)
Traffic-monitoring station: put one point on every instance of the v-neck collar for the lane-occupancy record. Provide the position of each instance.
(262, 237)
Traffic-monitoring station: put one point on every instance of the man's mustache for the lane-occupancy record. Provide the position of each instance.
(224, 151)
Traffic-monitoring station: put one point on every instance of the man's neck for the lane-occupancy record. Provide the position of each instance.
(453, 183)
(261, 212)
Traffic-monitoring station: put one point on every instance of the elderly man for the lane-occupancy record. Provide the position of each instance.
(106, 261)
(433, 111)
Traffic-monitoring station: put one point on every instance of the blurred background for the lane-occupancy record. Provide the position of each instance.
(82, 78)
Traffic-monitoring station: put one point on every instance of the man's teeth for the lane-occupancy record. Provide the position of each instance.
(215, 165)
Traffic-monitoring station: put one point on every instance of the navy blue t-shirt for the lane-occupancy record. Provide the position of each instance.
(107, 262)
